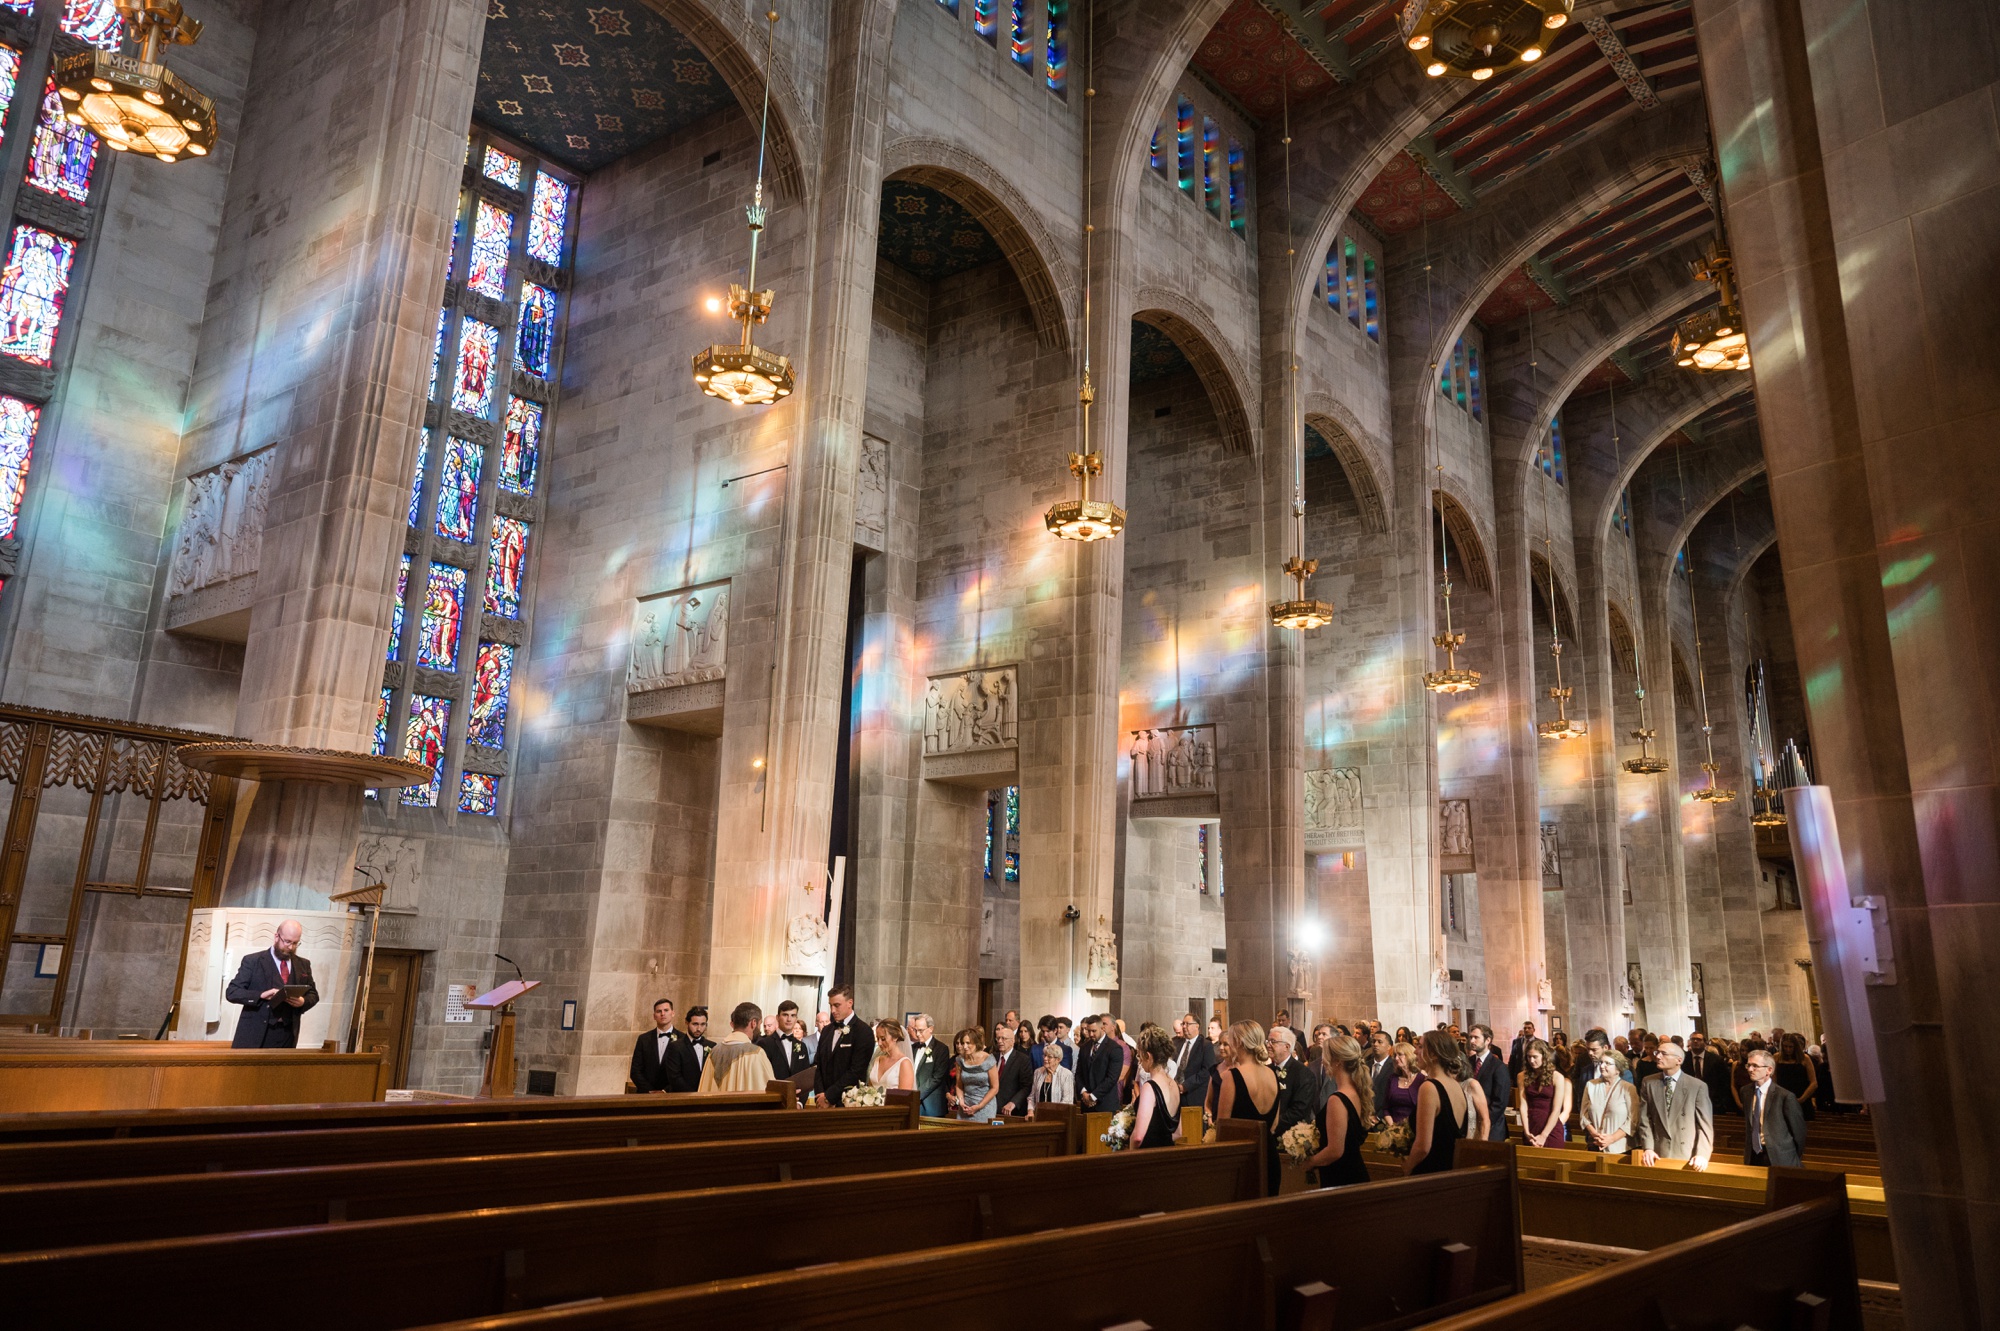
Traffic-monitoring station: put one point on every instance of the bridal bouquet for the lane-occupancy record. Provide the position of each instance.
(1119, 1136)
(1300, 1143)
(864, 1096)
(1390, 1137)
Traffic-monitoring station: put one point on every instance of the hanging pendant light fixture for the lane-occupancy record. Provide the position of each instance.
(1564, 726)
(140, 105)
(1645, 764)
(1084, 518)
(1714, 793)
(1302, 611)
(744, 374)
(1714, 339)
(1476, 39)
(1450, 679)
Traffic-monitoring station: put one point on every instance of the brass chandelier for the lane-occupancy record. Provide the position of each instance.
(1476, 39)
(1714, 792)
(1714, 339)
(1564, 726)
(744, 374)
(1083, 518)
(1646, 764)
(139, 105)
(1450, 679)
(1301, 611)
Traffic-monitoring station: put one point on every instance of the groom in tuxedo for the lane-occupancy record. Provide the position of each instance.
(845, 1047)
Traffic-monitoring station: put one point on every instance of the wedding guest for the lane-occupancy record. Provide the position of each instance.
(1774, 1131)
(1295, 1089)
(890, 1068)
(1400, 1084)
(1344, 1116)
(1478, 1115)
(1054, 1083)
(1194, 1059)
(1675, 1119)
(1709, 1067)
(1542, 1098)
(786, 1048)
(932, 1060)
(1157, 1106)
(1250, 1088)
(737, 1064)
(1795, 1072)
(821, 1019)
(1381, 1060)
(1215, 1034)
(1017, 1070)
(1100, 1060)
(1494, 1080)
(975, 1097)
(845, 1047)
(1438, 1124)
(1063, 1028)
(1128, 1057)
(1610, 1110)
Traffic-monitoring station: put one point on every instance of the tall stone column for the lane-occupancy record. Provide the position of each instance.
(317, 338)
(1861, 164)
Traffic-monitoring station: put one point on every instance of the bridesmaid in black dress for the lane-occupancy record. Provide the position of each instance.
(1344, 1118)
(1249, 1081)
(1439, 1122)
(1157, 1112)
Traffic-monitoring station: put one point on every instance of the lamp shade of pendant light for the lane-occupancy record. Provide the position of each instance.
(139, 105)
(1714, 340)
(1476, 39)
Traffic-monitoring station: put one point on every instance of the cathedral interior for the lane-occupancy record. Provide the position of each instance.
(1130, 506)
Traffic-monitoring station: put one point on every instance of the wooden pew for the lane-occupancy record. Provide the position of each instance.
(1381, 1256)
(95, 1125)
(63, 1215)
(400, 1272)
(148, 1074)
(38, 1162)
(1788, 1268)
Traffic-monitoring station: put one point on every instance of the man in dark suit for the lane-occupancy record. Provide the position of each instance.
(930, 1059)
(845, 1046)
(1774, 1131)
(1517, 1053)
(786, 1047)
(1493, 1079)
(1381, 1065)
(698, 1041)
(1295, 1084)
(1712, 1070)
(662, 1058)
(1017, 1069)
(270, 1020)
(1099, 1063)
(1675, 1119)
(1194, 1059)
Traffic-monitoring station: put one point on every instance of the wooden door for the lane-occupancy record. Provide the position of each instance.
(392, 1007)
(989, 1000)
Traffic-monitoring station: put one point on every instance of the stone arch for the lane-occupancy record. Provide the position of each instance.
(1720, 490)
(735, 46)
(1354, 462)
(1542, 578)
(1476, 568)
(1200, 341)
(1007, 217)
(1684, 691)
(1624, 643)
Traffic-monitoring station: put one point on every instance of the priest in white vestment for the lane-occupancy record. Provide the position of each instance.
(736, 1063)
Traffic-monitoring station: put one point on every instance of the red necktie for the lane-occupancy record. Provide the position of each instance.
(284, 972)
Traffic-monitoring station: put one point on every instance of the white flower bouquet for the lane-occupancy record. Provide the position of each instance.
(864, 1096)
(1119, 1135)
(1390, 1137)
(1300, 1143)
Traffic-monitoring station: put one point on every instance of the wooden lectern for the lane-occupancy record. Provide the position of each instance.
(499, 1078)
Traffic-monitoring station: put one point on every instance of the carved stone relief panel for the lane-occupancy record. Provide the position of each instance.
(871, 494)
(1333, 807)
(971, 727)
(397, 862)
(680, 655)
(1455, 836)
(222, 524)
(1173, 772)
(1551, 852)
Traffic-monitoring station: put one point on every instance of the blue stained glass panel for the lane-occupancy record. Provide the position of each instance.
(538, 329)
(492, 237)
(1056, 48)
(32, 288)
(984, 23)
(548, 218)
(63, 153)
(95, 22)
(506, 559)
(417, 481)
(381, 745)
(479, 793)
(458, 489)
(521, 449)
(1013, 866)
(503, 167)
(423, 740)
(1021, 47)
(472, 385)
(396, 611)
(444, 615)
(492, 684)
(437, 354)
(18, 422)
(1013, 811)
(457, 235)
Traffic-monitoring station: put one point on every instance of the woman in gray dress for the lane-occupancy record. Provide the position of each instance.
(978, 1078)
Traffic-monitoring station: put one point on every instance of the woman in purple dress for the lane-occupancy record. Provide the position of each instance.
(1399, 1092)
(1542, 1098)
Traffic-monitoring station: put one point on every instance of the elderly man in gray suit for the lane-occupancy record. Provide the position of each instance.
(1675, 1117)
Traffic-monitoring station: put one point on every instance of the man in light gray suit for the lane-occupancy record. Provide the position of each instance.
(1675, 1117)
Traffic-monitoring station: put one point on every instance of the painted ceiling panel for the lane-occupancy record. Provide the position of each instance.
(927, 233)
(1154, 354)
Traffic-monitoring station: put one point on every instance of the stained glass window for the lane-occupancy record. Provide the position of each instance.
(503, 167)
(950, 5)
(506, 558)
(423, 740)
(479, 793)
(1022, 48)
(538, 329)
(1056, 49)
(93, 21)
(1349, 280)
(437, 353)
(1458, 373)
(472, 388)
(1332, 275)
(458, 490)
(1622, 519)
(382, 705)
(63, 152)
(1201, 851)
(1370, 300)
(1237, 212)
(1475, 392)
(986, 26)
(990, 815)
(457, 235)
(417, 481)
(32, 287)
(444, 614)
(548, 218)
(521, 449)
(396, 611)
(1013, 866)
(1184, 148)
(1552, 452)
(1211, 166)
(1013, 811)
(492, 237)
(18, 422)
(10, 73)
(492, 682)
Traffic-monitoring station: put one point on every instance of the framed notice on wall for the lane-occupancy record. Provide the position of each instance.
(456, 996)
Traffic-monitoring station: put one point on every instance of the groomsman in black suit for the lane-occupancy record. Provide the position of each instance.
(786, 1047)
(845, 1047)
(698, 1041)
(662, 1058)
(930, 1060)
(1099, 1061)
